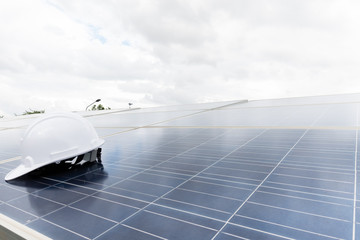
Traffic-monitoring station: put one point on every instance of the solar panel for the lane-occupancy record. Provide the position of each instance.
(271, 169)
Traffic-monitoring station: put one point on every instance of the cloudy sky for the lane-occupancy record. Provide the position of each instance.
(63, 54)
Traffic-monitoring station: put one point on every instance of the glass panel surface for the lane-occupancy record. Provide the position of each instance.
(254, 172)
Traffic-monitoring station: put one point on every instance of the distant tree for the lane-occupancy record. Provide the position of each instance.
(1, 116)
(99, 107)
(32, 112)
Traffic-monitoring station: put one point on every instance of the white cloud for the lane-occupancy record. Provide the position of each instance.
(63, 54)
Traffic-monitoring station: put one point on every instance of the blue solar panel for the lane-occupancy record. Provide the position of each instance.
(199, 177)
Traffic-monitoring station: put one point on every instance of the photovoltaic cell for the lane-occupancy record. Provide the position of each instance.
(271, 169)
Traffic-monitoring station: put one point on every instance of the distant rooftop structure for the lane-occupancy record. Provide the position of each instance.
(265, 169)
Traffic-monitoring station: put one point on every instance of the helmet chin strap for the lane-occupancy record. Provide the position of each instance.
(98, 155)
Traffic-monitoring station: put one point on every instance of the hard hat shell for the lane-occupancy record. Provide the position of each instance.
(54, 137)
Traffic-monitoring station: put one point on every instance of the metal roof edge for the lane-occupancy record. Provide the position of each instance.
(11, 229)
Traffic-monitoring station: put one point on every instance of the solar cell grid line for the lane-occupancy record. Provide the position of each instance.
(61, 231)
(355, 175)
(320, 167)
(147, 233)
(299, 176)
(78, 176)
(177, 203)
(308, 162)
(167, 173)
(223, 182)
(295, 196)
(252, 233)
(342, 174)
(51, 206)
(259, 134)
(319, 153)
(277, 197)
(232, 236)
(309, 195)
(302, 194)
(336, 193)
(257, 187)
(304, 234)
(350, 180)
(129, 177)
(350, 185)
(177, 219)
(325, 168)
(335, 171)
(138, 153)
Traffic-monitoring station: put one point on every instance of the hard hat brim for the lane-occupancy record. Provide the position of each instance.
(22, 169)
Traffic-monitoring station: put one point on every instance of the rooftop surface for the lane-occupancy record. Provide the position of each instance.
(269, 169)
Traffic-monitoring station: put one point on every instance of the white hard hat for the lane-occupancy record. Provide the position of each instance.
(52, 138)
